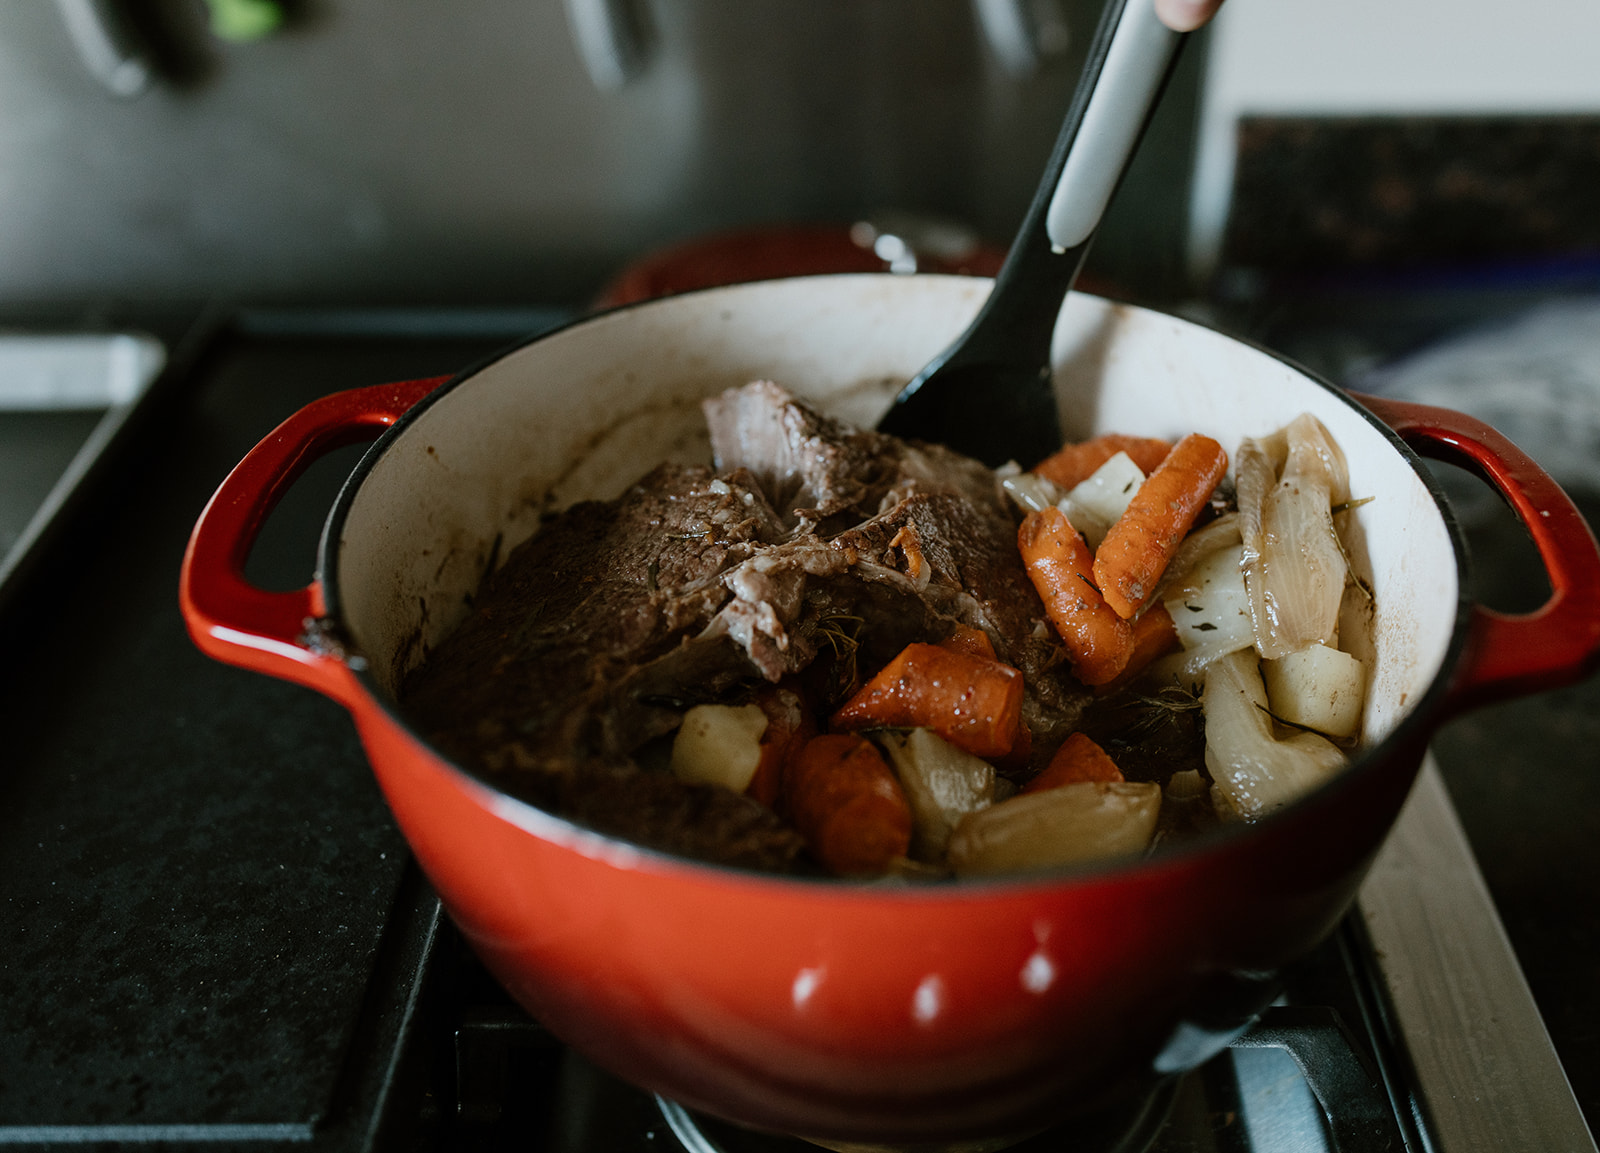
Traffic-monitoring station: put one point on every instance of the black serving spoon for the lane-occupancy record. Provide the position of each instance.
(989, 394)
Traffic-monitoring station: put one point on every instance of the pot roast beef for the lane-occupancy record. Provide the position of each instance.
(811, 550)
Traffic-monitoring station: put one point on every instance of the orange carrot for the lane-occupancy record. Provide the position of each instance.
(1021, 749)
(971, 701)
(1078, 759)
(967, 639)
(1135, 552)
(789, 726)
(1075, 463)
(848, 805)
(1154, 635)
(1098, 641)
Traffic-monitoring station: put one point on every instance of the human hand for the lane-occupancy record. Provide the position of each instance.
(1186, 15)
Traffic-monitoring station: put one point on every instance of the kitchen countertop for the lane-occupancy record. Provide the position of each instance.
(1522, 774)
(168, 824)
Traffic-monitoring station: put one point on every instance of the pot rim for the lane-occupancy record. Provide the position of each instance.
(1417, 724)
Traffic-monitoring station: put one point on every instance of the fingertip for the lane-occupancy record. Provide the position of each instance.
(1186, 15)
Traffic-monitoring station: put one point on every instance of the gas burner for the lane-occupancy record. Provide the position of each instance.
(1129, 1129)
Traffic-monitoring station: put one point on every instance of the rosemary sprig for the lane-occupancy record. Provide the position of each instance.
(1345, 742)
(843, 634)
(1172, 701)
(1350, 569)
(842, 631)
(1347, 505)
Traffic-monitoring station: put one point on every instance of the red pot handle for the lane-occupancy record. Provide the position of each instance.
(231, 619)
(1555, 644)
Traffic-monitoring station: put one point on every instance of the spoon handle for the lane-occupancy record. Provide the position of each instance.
(1100, 144)
(1127, 67)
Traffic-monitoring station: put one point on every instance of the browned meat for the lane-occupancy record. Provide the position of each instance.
(811, 467)
(964, 555)
(816, 551)
(561, 659)
(702, 822)
(816, 469)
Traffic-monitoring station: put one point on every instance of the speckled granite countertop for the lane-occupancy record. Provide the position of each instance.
(1387, 190)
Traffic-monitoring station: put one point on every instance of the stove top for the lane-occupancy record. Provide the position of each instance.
(215, 936)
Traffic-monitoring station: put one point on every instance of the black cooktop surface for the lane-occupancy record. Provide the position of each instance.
(197, 871)
(212, 930)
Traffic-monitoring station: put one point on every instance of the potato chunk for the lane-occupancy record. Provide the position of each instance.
(719, 745)
(1089, 821)
(1319, 687)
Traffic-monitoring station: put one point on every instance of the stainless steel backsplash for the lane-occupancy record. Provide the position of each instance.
(423, 152)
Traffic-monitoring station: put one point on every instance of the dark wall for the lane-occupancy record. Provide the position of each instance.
(415, 151)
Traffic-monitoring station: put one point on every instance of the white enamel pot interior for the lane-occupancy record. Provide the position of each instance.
(583, 413)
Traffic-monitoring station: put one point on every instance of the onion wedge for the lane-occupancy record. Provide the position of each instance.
(1294, 567)
(1210, 609)
(1253, 768)
(942, 783)
(1073, 824)
(1097, 503)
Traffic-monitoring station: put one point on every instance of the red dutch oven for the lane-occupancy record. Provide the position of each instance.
(833, 1009)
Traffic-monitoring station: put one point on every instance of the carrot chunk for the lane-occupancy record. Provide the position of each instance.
(1135, 552)
(1078, 759)
(848, 805)
(967, 639)
(1021, 749)
(1097, 640)
(789, 727)
(1075, 463)
(973, 702)
(1154, 635)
